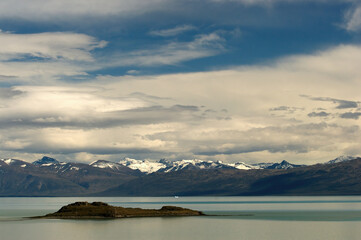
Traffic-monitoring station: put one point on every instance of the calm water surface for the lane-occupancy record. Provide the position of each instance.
(234, 218)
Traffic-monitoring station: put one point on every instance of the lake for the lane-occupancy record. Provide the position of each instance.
(234, 218)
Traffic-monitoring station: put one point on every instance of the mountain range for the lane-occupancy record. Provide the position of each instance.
(172, 166)
(130, 177)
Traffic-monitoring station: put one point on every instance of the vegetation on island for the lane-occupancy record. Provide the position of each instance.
(95, 210)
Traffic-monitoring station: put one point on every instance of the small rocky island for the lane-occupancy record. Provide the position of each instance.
(100, 210)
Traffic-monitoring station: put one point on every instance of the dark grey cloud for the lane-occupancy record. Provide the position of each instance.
(185, 107)
(298, 148)
(6, 93)
(318, 114)
(217, 114)
(146, 96)
(351, 115)
(341, 103)
(6, 78)
(210, 111)
(280, 108)
(297, 138)
(43, 148)
(285, 109)
(138, 116)
(271, 139)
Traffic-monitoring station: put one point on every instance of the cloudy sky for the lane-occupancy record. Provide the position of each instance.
(230, 80)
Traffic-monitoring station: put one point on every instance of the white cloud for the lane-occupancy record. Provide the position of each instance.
(172, 31)
(54, 45)
(203, 45)
(45, 56)
(133, 72)
(52, 9)
(39, 72)
(62, 103)
(353, 19)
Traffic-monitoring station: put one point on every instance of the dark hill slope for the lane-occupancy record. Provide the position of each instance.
(31, 181)
(71, 179)
(322, 179)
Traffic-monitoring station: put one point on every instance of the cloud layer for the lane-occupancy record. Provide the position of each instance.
(45, 56)
(353, 19)
(172, 31)
(202, 46)
(243, 113)
(93, 79)
(55, 45)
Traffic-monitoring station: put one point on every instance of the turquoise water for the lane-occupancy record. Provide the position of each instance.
(232, 218)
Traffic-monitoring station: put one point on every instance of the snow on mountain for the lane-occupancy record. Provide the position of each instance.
(162, 165)
(243, 166)
(14, 162)
(106, 164)
(9, 161)
(262, 165)
(200, 164)
(341, 159)
(60, 167)
(142, 165)
(51, 164)
(172, 166)
(189, 164)
(283, 165)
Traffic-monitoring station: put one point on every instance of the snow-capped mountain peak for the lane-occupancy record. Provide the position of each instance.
(194, 164)
(8, 161)
(148, 166)
(46, 161)
(105, 164)
(341, 159)
(282, 165)
(14, 162)
(182, 164)
(188, 164)
(243, 166)
(144, 166)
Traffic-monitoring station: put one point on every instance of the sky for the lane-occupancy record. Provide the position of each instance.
(229, 80)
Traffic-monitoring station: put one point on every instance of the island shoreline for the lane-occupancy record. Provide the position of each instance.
(100, 210)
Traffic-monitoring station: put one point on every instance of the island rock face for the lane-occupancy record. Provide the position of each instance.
(85, 210)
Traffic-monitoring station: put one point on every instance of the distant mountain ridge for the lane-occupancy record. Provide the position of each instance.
(341, 159)
(49, 177)
(171, 166)
(340, 178)
(130, 177)
(149, 167)
(163, 165)
(282, 165)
